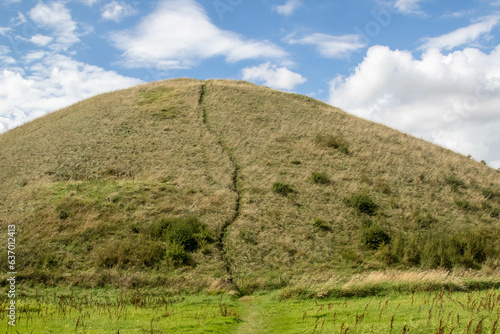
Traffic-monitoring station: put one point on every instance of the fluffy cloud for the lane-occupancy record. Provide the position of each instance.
(408, 6)
(451, 99)
(462, 36)
(288, 8)
(116, 11)
(55, 81)
(332, 46)
(56, 17)
(41, 40)
(273, 76)
(179, 33)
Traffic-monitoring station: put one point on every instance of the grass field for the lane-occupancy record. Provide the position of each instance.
(112, 311)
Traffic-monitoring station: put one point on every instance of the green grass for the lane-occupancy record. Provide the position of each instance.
(112, 311)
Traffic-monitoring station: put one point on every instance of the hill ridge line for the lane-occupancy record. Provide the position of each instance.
(235, 177)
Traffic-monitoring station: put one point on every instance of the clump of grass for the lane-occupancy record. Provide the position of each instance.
(363, 203)
(282, 189)
(63, 214)
(321, 224)
(490, 194)
(455, 182)
(465, 205)
(320, 178)
(336, 142)
(373, 237)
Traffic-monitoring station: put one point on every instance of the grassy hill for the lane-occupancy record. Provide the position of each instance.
(223, 185)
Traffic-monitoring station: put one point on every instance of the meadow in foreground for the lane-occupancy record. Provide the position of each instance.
(114, 311)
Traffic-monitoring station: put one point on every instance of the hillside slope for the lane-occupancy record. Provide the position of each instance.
(223, 184)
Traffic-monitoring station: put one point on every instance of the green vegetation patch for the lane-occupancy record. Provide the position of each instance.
(331, 141)
(321, 224)
(320, 178)
(374, 236)
(455, 182)
(102, 311)
(286, 311)
(282, 189)
(363, 202)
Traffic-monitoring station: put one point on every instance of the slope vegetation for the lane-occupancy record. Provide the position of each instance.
(224, 185)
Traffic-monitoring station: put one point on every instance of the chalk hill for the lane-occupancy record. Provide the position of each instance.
(227, 185)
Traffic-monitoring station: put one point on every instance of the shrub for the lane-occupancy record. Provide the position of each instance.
(176, 254)
(385, 255)
(282, 188)
(363, 203)
(373, 237)
(188, 232)
(320, 178)
(336, 142)
(150, 253)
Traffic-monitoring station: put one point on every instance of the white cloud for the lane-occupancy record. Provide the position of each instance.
(462, 36)
(116, 11)
(56, 17)
(288, 8)
(19, 20)
(4, 30)
(4, 58)
(332, 46)
(89, 3)
(457, 15)
(273, 76)
(179, 33)
(8, 2)
(408, 6)
(450, 99)
(41, 40)
(55, 81)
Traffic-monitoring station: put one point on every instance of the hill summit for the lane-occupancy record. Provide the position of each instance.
(226, 185)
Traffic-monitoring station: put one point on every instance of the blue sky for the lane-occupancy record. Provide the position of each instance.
(426, 67)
